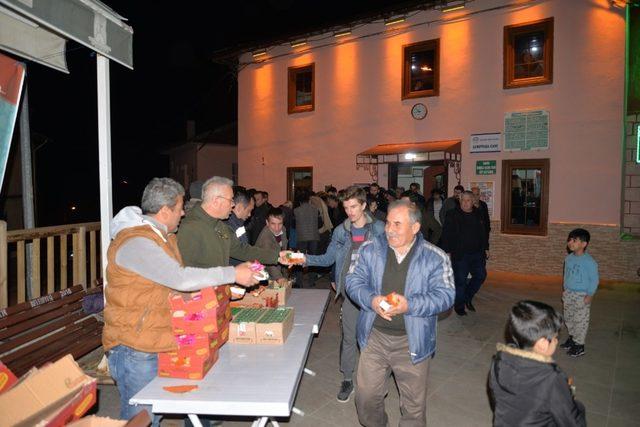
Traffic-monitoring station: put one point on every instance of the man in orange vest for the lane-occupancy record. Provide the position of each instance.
(144, 265)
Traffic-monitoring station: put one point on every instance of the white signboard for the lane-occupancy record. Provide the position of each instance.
(485, 142)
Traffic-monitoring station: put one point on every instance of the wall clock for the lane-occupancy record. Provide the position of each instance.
(419, 111)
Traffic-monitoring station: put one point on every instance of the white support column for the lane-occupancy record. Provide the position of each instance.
(104, 156)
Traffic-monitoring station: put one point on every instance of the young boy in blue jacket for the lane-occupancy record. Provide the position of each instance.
(580, 284)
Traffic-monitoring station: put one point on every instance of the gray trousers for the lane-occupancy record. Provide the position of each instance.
(576, 315)
(383, 355)
(349, 343)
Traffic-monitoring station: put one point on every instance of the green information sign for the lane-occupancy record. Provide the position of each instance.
(485, 167)
(638, 144)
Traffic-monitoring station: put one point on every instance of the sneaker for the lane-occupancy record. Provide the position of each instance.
(576, 351)
(346, 390)
(460, 311)
(568, 343)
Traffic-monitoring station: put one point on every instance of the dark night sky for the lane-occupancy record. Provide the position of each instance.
(175, 79)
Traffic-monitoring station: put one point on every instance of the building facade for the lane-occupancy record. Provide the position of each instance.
(524, 99)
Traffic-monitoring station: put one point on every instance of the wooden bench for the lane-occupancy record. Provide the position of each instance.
(45, 329)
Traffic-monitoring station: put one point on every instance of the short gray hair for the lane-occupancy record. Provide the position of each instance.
(414, 213)
(160, 192)
(213, 187)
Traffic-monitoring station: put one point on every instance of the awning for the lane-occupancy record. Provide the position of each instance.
(29, 40)
(411, 152)
(38, 29)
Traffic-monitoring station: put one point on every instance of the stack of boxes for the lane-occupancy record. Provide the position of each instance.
(261, 325)
(200, 323)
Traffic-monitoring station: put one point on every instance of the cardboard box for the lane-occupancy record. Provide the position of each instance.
(142, 419)
(242, 329)
(281, 291)
(7, 379)
(261, 325)
(204, 299)
(201, 322)
(93, 421)
(51, 396)
(274, 326)
(188, 363)
(260, 297)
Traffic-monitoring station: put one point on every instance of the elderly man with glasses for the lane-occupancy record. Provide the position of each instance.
(206, 241)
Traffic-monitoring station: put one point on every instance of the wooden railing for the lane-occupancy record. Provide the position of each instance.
(50, 259)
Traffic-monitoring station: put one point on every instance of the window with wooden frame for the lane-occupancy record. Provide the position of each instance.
(525, 196)
(301, 89)
(421, 69)
(528, 54)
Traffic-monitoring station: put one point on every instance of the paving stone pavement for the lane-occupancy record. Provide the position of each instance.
(607, 377)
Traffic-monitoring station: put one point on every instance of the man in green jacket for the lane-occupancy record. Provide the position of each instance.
(205, 241)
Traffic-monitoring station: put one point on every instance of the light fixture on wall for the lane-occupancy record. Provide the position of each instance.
(410, 156)
(259, 53)
(452, 6)
(393, 21)
(342, 33)
(618, 3)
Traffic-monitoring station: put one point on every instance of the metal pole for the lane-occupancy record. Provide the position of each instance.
(104, 153)
(27, 178)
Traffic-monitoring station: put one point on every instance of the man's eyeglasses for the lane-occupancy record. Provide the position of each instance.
(227, 199)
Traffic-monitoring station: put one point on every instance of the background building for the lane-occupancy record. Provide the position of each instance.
(522, 98)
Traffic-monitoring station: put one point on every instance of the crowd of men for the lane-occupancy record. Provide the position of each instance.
(429, 253)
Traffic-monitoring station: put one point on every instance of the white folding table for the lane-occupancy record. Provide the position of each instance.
(247, 380)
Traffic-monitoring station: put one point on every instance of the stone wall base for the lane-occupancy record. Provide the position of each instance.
(544, 255)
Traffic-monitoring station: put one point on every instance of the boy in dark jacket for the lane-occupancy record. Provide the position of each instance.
(527, 387)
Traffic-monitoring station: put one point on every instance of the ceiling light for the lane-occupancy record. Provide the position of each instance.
(451, 6)
(342, 33)
(259, 53)
(426, 68)
(394, 20)
(298, 43)
(410, 156)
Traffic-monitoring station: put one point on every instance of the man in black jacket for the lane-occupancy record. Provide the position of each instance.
(259, 215)
(465, 239)
(482, 207)
(527, 388)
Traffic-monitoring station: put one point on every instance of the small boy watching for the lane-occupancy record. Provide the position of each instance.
(527, 387)
(580, 284)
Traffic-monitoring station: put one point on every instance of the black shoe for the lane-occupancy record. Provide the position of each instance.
(460, 311)
(346, 390)
(568, 343)
(470, 307)
(576, 351)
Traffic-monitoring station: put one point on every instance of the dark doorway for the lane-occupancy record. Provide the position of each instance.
(429, 175)
(298, 178)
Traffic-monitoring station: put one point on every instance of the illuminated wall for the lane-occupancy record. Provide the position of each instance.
(358, 103)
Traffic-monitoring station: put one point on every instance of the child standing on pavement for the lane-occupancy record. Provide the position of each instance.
(580, 284)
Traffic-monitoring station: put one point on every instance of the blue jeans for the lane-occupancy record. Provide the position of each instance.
(132, 370)
(463, 264)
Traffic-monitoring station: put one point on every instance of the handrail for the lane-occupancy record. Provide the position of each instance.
(65, 252)
(42, 232)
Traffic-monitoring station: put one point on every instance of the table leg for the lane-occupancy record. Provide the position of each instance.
(195, 420)
(260, 422)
